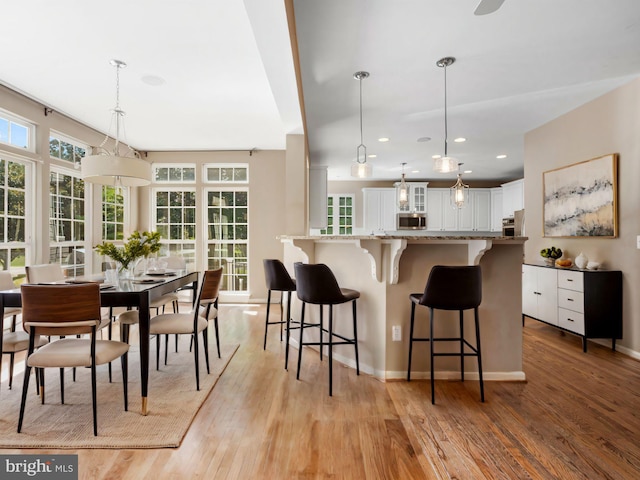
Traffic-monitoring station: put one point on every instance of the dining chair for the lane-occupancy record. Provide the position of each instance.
(193, 323)
(14, 341)
(278, 279)
(64, 310)
(450, 287)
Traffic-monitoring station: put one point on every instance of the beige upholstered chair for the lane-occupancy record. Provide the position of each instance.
(45, 273)
(44, 313)
(12, 341)
(192, 323)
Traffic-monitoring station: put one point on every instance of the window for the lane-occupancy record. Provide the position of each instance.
(339, 215)
(175, 220)
(228, 236)
(16, 132)
(113, 213)
(66, 149)
(164, 173)
(14, 211)
(232, 173)
(67, 222)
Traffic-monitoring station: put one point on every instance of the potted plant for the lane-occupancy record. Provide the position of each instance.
(137, 246)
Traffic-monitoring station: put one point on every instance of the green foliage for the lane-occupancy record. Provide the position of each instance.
(552, 252)
(138, 245)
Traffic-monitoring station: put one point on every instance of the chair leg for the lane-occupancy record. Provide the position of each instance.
(205, 344)
(355, 336)
(330, 350)
(166, 347)
(42, 390)
(300, 342)
(25, 387)
(286, 349)
(196, 357)
(124, 361)
(62, 386)
(281, 314)
(321, 333)
(433, 393)
(158, 351)
(109, 331)
(11, 359)
(461, 345)
(266, 320)
(475, 314)
(94, 402)
(413, 316)
(215, 326)
(176, 309)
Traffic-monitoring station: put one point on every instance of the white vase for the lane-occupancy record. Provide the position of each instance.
(581, 261)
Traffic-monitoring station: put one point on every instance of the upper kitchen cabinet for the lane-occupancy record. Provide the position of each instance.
(417, 198)
(496, 209)
(474, 217)
(512, 197)
(379, 210)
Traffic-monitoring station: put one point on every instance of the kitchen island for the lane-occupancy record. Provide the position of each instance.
(387, 268)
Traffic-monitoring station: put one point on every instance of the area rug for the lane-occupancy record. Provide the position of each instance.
(173, 403)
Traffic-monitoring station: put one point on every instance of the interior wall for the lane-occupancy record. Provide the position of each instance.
(608, 124)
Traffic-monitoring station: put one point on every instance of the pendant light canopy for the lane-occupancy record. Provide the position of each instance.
(445, 163)
(403, 191)
(109, 167)
(361, 169)
(459, 193)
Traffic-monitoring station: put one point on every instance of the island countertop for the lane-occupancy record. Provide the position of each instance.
(440, 238)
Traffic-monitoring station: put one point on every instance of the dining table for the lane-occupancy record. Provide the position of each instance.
(136, 292)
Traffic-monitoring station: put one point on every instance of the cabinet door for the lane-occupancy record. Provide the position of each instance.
(418, 195)
(482, 210)
(548, 298)
(530, 291)
(388, 209)
(434, 209)
(372, 205)
(466, 214)
(496, 210)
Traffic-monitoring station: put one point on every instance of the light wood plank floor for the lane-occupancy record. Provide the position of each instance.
(576, 417)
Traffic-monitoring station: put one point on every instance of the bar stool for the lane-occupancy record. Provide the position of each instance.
(278, 279)
(317, 285)
(450, 288)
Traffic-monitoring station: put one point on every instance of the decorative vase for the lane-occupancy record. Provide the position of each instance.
(126, 272)
(549, 261)
(581, 261)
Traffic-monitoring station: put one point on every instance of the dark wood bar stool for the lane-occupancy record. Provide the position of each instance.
(317, 285)
(278, 279)
(450, 288)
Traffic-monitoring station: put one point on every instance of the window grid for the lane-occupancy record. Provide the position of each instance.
(67, 222)
(113, 199)
(164, 173)
(13, 216)
(16, 133)
(232, 173)
(228, 236)
(66, 149)
(175, 220)
(339, 215)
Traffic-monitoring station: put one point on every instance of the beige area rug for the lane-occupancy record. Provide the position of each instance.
(173, 403)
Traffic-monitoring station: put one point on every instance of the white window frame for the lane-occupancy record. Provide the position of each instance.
(75, 161)
(170, 246)
(181, 166)
(333, 220)
(31, 129)
(125, 191)
(234, 166)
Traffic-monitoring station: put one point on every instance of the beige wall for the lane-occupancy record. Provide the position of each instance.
(609, 124)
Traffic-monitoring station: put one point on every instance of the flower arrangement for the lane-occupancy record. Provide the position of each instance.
(137, 246)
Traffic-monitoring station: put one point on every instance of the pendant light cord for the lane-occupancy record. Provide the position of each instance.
(360, 76)
(445, 111)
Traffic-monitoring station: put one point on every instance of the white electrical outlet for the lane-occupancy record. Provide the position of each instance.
(638, 242)
(396, 333)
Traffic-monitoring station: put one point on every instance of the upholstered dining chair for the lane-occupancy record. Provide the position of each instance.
(14, 341)
(193, 323)
(63, 311)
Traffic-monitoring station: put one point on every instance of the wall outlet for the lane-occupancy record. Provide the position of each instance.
(396, 333)
(638, 242)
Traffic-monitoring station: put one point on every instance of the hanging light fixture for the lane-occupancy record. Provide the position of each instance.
(403, 191)
(109, 167)
(459, 193)
(361, 168)
(445, 164)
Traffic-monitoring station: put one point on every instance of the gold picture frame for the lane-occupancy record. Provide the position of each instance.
(580, 200)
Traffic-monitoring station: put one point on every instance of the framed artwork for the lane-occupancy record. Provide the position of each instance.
(580, 200)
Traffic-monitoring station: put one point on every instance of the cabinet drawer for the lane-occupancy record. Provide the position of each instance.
(571, 300)
(572, 321)
(571, 280)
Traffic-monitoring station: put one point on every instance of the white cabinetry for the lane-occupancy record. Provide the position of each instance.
(441, 216)
(417, 198)
(379, 209)
(512, 197)
(540, 293)
(496, 209)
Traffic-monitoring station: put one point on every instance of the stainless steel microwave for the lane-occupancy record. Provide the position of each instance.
(412, 221)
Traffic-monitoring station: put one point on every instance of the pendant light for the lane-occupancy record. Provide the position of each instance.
(445, 164)
(403, 192)
(459, 193)
(109, 167)
(361, 169)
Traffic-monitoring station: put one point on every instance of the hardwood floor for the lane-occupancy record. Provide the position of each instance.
(577, 416)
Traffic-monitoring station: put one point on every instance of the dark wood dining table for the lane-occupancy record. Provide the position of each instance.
(127, 293)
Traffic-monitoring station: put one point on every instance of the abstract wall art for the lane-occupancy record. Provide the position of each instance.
(580, 200)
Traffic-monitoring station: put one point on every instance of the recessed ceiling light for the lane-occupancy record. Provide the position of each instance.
(424, 139)
(468, 171)
(436, 156)
(373, 155)
(459, 139)
(415, 171)
(153, 80)
(383, 139)
(501, 156)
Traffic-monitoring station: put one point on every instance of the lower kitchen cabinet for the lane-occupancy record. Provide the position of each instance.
(587, 303)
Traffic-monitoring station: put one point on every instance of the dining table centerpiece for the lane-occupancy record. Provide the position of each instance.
(138, 246)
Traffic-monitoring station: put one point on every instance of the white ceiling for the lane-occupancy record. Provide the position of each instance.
(229, 81)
